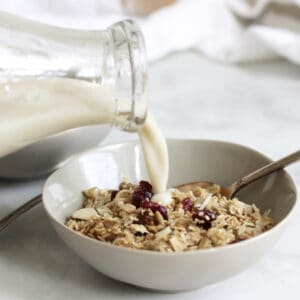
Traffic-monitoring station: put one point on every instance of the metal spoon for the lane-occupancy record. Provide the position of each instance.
(4, 222)
(229, 191)
(232, 189)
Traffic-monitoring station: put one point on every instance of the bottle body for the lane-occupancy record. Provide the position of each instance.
(54, 79)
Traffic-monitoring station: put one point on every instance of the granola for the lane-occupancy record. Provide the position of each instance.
(197, 219)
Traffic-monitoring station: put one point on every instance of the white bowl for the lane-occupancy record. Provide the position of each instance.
(51, 152)
(190, 160)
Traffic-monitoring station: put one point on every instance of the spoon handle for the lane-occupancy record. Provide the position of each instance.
(4, 222)
(265, 170)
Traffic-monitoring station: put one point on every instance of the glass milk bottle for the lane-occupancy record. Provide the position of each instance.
(53, 80)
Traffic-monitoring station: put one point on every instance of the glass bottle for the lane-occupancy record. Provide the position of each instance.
(114, 56)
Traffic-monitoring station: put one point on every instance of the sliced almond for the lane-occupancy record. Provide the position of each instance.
(85, 213)
(163, 234)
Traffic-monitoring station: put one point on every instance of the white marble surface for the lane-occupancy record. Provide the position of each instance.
(256, 105)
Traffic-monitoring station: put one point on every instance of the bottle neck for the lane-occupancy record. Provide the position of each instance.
(126, 65)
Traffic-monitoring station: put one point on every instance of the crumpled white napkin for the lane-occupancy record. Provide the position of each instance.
(229, 31)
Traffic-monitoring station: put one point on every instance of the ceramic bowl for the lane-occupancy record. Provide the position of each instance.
(190, 160)
(51, 152)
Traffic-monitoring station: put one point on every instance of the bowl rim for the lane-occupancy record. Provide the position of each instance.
(57, 135)
(228, 247)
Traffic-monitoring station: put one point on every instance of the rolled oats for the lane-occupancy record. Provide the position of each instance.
(111, 216)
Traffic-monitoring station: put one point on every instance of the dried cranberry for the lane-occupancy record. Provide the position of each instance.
(139, 195)
(163, 211)
(113, 194)
(146, 186)
(156, 207)
(146, 218)
(145, 203)
(203, 218)
(187, 204)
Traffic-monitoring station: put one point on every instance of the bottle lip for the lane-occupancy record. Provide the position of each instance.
(131, 74)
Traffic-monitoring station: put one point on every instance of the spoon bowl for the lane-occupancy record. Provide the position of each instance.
(231, 190)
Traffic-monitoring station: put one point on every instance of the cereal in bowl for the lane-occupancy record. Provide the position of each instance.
(197, 219)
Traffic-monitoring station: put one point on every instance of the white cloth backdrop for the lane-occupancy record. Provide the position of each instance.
(229, 31)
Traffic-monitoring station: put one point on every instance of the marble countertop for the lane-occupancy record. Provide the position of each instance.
(256, 105)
